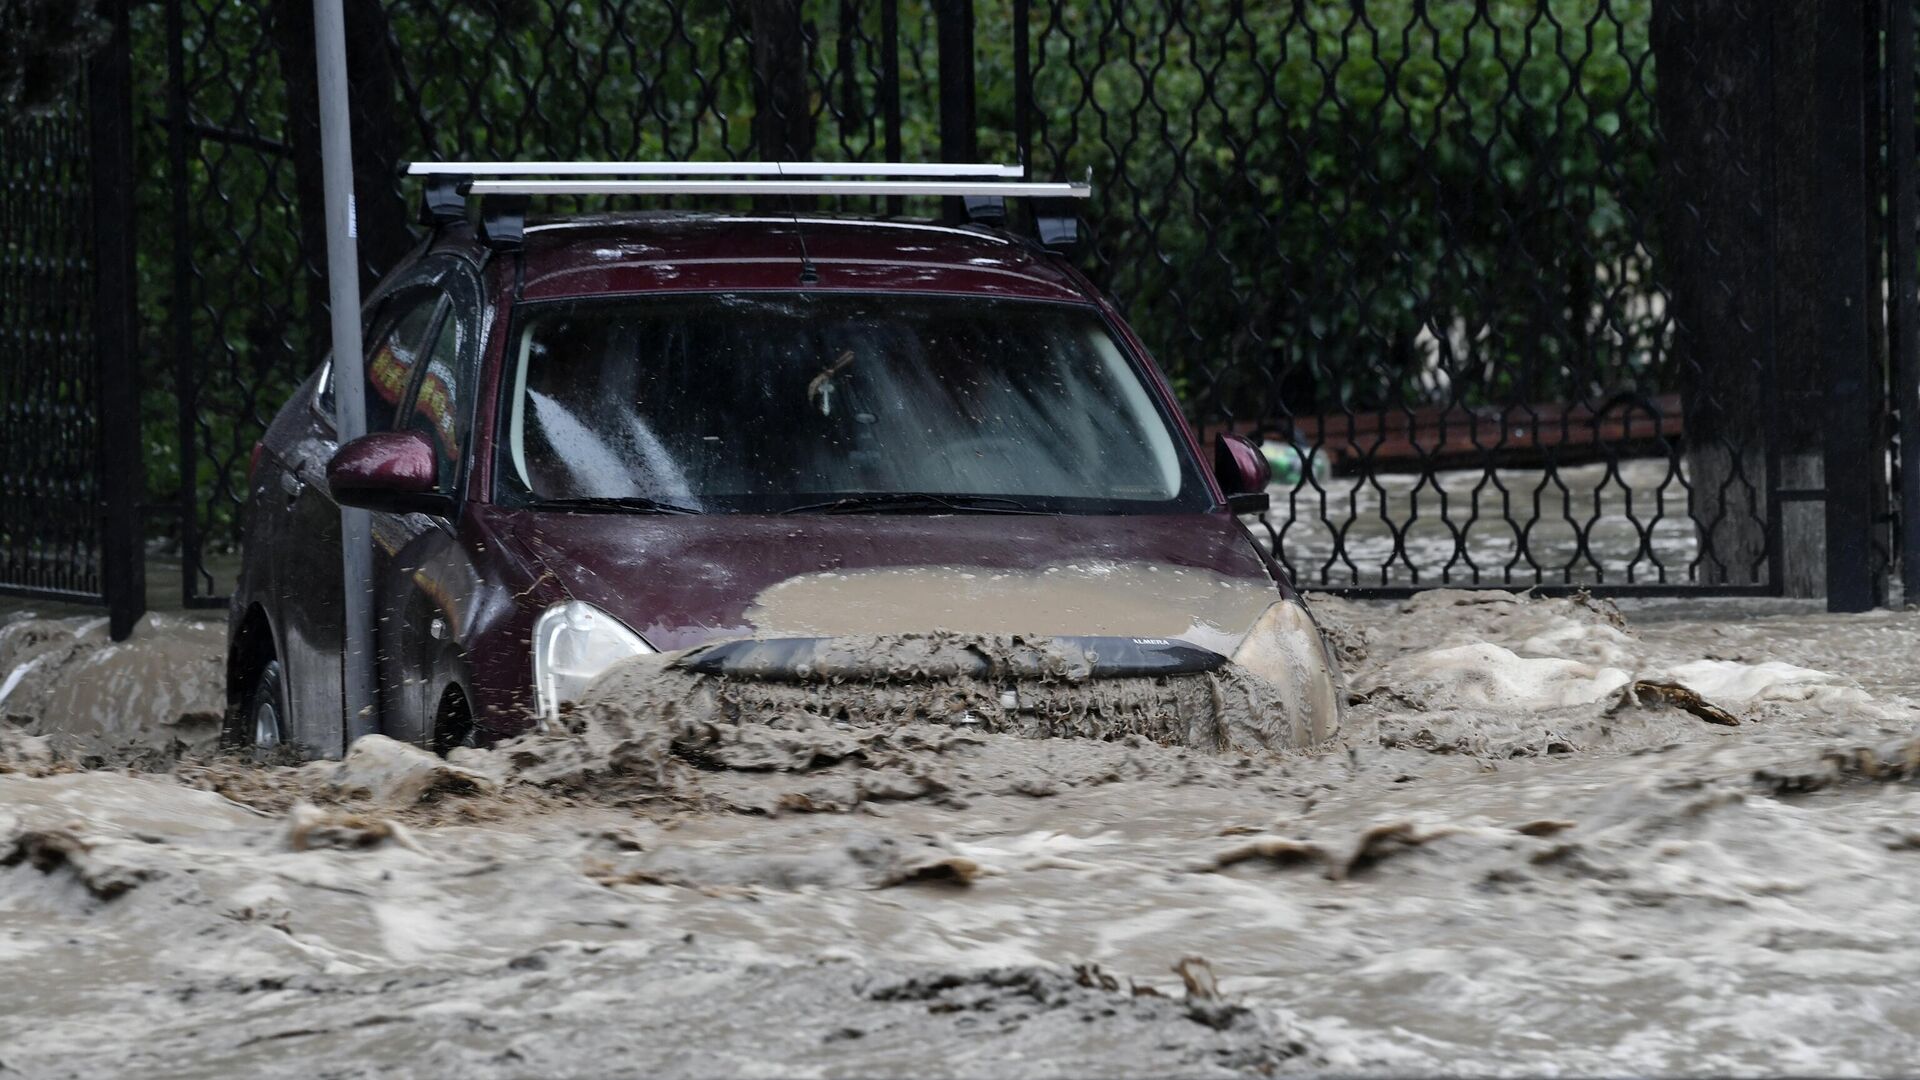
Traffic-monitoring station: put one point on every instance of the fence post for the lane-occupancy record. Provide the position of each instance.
(110, 174)
(1713, 100)
(890, 74)
(1881, 537)
(890, 88)
(1838, 288)
(1903, 309)
(180, 304)
(1023, 85)
(958, 136)
(782, 119)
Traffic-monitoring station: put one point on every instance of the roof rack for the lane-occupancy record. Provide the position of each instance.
(713, 168)
(982, 187)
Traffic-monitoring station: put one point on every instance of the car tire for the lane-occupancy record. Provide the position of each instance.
(261, 727)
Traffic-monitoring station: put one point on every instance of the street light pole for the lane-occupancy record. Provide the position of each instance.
(349, 376)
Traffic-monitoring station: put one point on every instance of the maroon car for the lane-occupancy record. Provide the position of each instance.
(742, 436)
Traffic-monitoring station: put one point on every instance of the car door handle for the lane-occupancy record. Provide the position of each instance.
(291, 485)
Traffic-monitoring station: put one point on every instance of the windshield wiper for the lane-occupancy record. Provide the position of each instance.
(631, 504)
(914, 500)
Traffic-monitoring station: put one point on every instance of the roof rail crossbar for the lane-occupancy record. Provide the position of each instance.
(1002, 189)
(889, 169)
(983, 188)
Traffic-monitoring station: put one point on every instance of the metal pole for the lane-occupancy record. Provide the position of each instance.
(349, 378)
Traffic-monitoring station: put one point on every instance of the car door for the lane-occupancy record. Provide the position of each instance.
(429, 575)
(313, 611)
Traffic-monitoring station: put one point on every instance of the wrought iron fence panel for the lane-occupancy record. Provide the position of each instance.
(241, 307)
(1420, 247)
(50, 537)
(1465, 267)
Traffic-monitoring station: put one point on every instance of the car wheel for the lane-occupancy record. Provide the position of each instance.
(264, 723)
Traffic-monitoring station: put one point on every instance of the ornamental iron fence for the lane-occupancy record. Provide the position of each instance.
(1563, 294)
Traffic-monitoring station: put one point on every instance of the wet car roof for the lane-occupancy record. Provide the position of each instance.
(591, 255)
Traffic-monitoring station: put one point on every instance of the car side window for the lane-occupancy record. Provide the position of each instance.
(370, 321)
(441, 402)
(439, 409)
(391, 363)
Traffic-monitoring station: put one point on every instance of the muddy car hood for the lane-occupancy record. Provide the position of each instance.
(682, 581)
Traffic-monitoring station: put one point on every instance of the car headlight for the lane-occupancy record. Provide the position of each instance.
(1285, 650)
(573, 643)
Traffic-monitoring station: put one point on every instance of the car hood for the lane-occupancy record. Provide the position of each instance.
(686, 580)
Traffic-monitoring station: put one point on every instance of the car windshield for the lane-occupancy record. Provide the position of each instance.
(833, 402)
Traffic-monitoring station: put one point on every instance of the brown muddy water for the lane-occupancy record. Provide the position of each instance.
(1536, 846)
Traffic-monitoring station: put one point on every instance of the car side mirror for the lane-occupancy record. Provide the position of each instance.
(1243, 472)
(395, 471)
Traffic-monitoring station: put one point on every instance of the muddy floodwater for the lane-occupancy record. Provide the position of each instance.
(1551, 837)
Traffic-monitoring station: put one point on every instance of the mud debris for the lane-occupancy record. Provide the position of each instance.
(147, 702)
(1374, 845)
(864, 860)
(311, 828)
(1383, 842)
(1015, 995)
(65, 851)
(1543, 827)
(888, 706)
(378, 769)
(1277, 850)
(28, 755)
(1897, 760)
(1644, 692)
